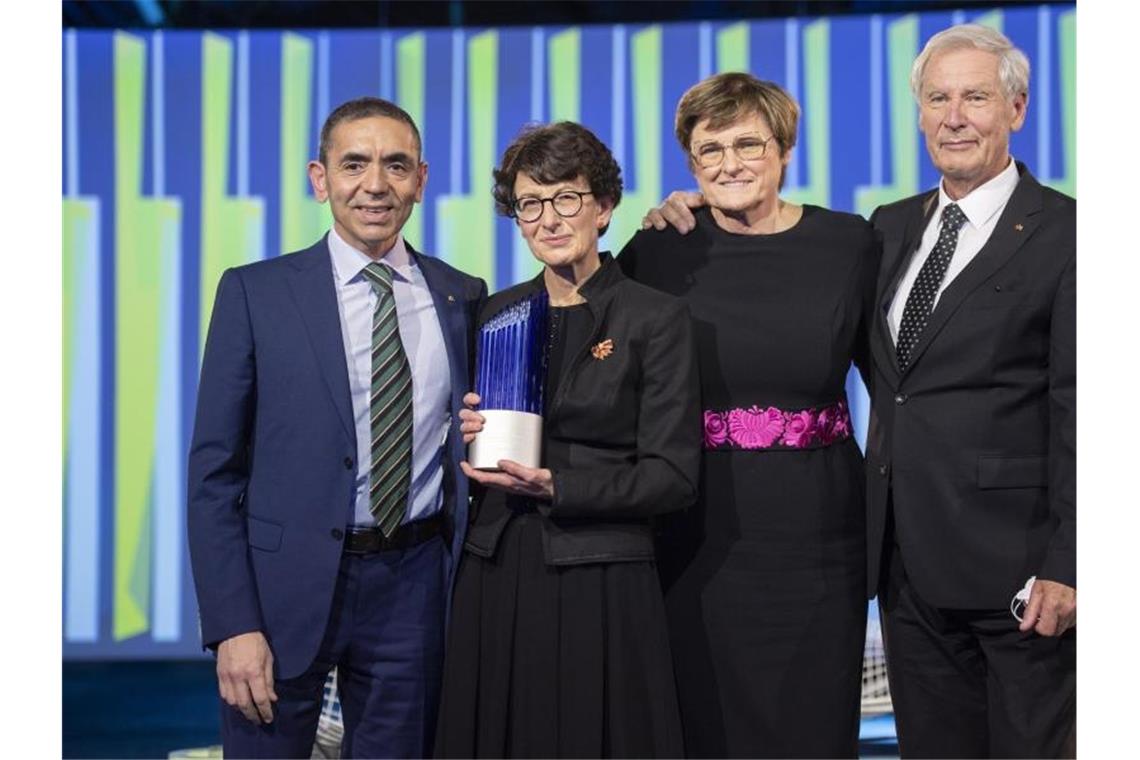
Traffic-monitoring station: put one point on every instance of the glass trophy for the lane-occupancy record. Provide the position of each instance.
(510, 373)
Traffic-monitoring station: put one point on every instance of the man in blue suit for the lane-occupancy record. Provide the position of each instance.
(326, 507)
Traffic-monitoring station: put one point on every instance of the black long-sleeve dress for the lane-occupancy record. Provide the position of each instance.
(764, 577)
(558, 645)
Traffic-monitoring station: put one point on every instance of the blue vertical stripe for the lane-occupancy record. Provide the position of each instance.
(157, 106)
(387, 67)
(618, 99)
(169, 485)
(71, 125)
(521, 70)
(322, 77)
(458, 87)
(858, 405)
(346, 51)
(86, 465)
(680, 69)
(82, 475)
(705, 45)
(241, 115)
(167, 490)
(537, 72)
(1043, 92)
(876, 88)
(792, 84)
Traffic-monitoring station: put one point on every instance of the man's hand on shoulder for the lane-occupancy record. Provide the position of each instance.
(245, 675)
(1052, 608)
(676, 210)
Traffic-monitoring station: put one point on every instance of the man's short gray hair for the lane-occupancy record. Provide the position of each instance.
(1013, 66)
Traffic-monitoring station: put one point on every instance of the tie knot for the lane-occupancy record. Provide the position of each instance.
(380, 276)
(953, 217)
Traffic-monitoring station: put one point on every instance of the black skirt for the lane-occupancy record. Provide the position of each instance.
(556, 661)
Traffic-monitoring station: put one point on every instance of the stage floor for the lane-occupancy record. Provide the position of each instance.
(151, 708)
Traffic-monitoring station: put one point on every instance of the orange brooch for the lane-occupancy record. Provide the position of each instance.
(603, 349)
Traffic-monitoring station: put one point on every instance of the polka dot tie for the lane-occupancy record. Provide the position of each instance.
(920, 301)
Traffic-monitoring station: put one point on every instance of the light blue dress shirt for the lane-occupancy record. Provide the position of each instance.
(422, 337)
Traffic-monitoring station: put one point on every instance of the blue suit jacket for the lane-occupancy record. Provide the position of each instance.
(273, 455)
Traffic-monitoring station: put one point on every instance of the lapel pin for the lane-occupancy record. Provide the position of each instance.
(603, 349)
(451, 299)
(1019, 227)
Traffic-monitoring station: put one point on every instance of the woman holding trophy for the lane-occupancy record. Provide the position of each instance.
(558, 642)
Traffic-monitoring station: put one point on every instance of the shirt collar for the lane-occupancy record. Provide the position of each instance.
(349, 261)
(983, 202)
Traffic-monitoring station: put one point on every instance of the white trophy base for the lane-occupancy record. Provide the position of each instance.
(516, 436)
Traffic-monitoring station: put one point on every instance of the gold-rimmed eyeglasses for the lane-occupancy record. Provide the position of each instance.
(566, 204)
(710, 155)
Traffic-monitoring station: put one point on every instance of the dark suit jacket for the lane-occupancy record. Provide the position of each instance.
(273, 456)
(976, 441)
(622, 434)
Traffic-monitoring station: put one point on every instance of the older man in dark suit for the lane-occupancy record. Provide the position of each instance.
(971, 450)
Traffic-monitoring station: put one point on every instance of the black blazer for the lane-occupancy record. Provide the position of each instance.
(976, 440)
(622, 434)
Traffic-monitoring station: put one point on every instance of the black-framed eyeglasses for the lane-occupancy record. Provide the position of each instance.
(566, 203)
(746, 147)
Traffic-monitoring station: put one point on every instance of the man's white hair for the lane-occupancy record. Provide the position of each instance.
(1013, 66)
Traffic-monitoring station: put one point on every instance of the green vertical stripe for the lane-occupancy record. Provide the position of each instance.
(732, 48)
(232, 229)
(79, 227)
(1068, 47)
(141, 226)
(303, 220)
(81, 403)
(565, 75)
(410, 95)
(993, 19)
(465, 223)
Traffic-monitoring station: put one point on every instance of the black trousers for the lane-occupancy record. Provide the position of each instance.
(967, 683)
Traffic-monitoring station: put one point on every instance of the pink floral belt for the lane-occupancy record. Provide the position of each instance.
(772, 428)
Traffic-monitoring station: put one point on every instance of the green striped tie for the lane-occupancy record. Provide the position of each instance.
(390, 473)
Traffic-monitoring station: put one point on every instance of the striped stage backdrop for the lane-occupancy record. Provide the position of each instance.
(184, 154)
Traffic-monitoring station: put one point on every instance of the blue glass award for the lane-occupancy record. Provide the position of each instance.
(510, 373)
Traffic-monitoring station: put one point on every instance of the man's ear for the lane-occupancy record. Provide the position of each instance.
(319, 180)
(423, 174)
(1020, 107)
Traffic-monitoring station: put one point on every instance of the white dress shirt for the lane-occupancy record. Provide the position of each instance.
(982, 208)
(422, 337)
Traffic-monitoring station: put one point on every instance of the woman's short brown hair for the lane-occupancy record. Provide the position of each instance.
(725, 98)
(559, 152)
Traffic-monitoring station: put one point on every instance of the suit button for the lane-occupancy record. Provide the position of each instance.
(900, 399)
(348, 463)
(337, 534)
(997, 288)
(883, 470)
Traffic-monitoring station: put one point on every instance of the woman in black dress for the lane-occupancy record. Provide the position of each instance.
(557, 644)
(765, 577)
